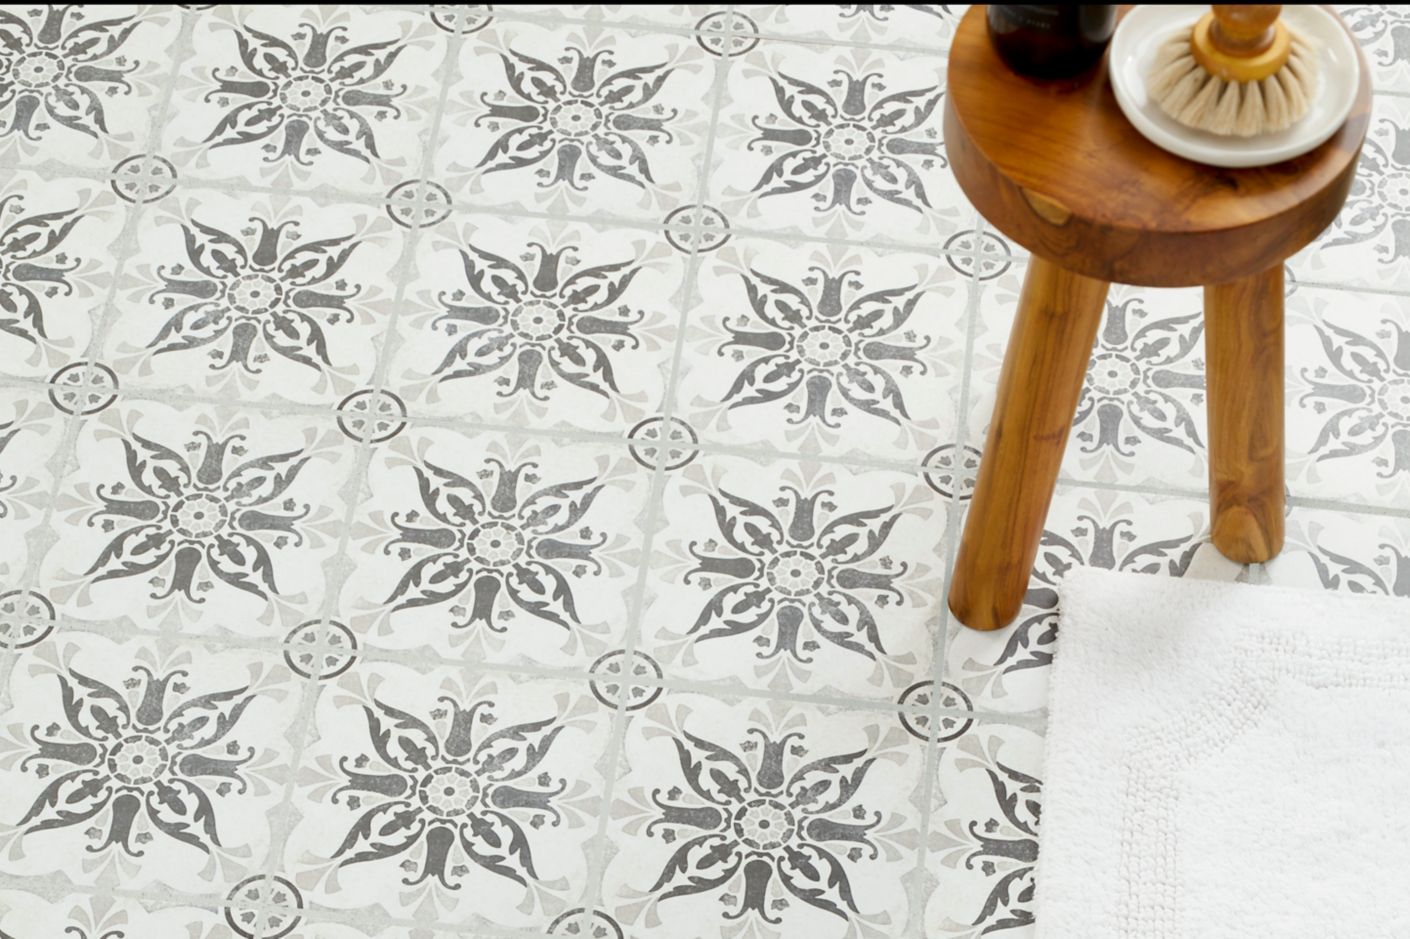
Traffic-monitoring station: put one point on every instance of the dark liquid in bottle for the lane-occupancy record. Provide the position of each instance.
(1050, 41)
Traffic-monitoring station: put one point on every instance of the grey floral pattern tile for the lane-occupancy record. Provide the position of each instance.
(1369, 243)
(575, 119)
(825, 351)
(763, 820)
(1007, 670)
(1141, 416)
(1349, 396)
(808, 579)
(846, 143)
(548, 326)
(305, 97)
(504, 549)
(496, 469)
(428, 791)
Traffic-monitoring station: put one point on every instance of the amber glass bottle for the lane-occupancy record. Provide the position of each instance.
(1050, 41)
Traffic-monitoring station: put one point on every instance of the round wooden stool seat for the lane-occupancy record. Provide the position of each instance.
(1059, 169)
(1056, 167)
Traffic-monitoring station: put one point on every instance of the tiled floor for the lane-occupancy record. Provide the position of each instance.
(471, 472)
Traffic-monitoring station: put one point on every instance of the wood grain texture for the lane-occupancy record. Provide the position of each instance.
(1046, 361)
(1058, 168)
(1243, 330)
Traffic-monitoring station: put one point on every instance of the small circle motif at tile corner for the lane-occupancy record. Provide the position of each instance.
(979, 254)
(708, 228)
(83, 388)
(951, 470)
(264, 907)
(26, 618)
(418, 203)
(320, 649)
(144, 178)
(462, 18)
(727, 33)
(599, 925)
(680, 440)
(918, 721)
(370, 416)
(612, 677)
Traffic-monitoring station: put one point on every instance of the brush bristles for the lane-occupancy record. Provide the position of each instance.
(1195, 98)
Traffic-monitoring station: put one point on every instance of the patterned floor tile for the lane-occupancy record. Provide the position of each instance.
(127, 760)
(1007, 670)
(428, 794)
(1348, 417)
(255, 298)
(83, 83)
(306, 97)
(1141, 417)
(800, 579)
(53, 284)
(578, 119)
(496, 548)
(1339, 550)
(763, 819)
(984, 834)
(1384, 33)
(198, 519)
(825, 350)
(928, 25)
(1369, 243)
(96, 917)
(843, 143)
(521, 322)
(32, 432)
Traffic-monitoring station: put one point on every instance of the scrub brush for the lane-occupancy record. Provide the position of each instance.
(1239, 71)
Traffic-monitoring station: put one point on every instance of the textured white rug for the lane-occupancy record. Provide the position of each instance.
(1225, 760)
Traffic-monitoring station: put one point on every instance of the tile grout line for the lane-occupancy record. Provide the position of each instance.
(935, 712)
(616, 748)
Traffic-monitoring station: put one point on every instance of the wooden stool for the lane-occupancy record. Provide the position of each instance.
(1057, 168)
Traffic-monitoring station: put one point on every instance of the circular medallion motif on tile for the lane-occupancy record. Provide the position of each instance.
(679, 439)
(26, 618)
(83, 388)
(727, 34)
(264, 907)
(463, 17)
(144, 178)
(418, 202)
(950, 470)
(372, 416)
(614, 675)
(584, 925)
(915, 716)
(708, 228)
(978, 254)
(320, 649)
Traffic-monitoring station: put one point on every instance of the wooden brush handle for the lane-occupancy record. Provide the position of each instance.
(1243, 30)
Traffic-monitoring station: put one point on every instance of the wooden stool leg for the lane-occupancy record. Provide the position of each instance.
(1244, 342)
(1044, 366)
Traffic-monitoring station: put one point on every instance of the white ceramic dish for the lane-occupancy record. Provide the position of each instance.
(1133, 49)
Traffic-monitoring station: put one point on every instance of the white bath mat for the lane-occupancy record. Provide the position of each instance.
(1225, 761)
